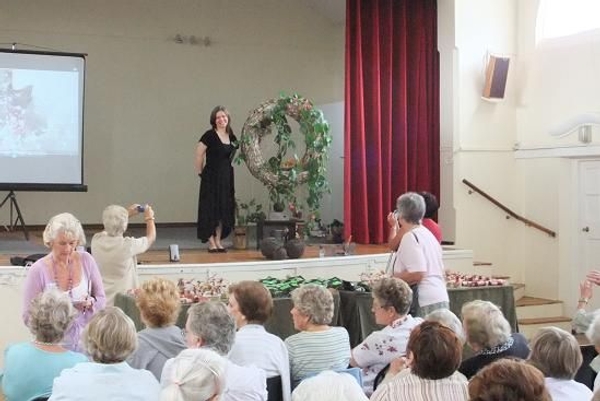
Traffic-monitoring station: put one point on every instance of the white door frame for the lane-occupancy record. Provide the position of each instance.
(571, 269)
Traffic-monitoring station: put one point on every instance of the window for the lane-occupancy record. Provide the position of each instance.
(558, 18)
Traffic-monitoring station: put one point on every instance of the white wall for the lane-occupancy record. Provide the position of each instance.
(547, 85)
(484, 134)
(148, 99)
(559, 80)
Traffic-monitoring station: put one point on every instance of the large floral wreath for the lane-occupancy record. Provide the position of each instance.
(282, 175)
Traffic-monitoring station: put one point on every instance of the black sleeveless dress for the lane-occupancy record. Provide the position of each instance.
(217, 195)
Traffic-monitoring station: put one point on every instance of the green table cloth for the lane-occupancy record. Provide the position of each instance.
(280, 323)
(352, 310)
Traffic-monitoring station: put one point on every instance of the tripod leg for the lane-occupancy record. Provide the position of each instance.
(13, 203)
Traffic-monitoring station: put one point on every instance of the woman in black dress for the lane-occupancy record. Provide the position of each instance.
(216, 205)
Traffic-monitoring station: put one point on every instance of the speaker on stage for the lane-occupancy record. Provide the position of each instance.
(496, 76)
(174, 253)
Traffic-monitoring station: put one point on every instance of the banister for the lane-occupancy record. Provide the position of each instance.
(508, 211)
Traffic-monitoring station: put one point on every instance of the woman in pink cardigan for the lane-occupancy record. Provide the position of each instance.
(75, 273)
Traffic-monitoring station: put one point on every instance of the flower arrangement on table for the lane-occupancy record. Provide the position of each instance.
(457, 280)
(453, 280)
(191, 291)
(367, 279)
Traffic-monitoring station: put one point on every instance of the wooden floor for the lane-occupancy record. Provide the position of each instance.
(198, 256)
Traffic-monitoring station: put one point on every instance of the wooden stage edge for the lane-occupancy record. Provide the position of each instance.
(201, 256)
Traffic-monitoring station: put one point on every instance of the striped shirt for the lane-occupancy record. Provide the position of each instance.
(407, 386)
(312, 352)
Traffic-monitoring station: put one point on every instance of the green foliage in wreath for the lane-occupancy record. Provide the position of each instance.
(282, 175)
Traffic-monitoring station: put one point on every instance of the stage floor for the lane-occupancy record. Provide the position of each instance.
(14, 243)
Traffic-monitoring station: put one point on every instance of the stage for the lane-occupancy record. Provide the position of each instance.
(192, 251)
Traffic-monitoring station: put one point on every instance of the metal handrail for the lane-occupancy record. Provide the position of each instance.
(507, 210)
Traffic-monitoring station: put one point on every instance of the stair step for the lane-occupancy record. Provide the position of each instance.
(519, 290)
(531, 308)
(542, 320)
(529, 326)
(533, 301)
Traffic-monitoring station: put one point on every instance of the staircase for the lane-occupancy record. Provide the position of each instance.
(534, 313)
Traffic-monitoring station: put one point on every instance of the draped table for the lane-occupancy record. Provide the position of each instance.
(352, 310)
(357, 318)
(280, 323)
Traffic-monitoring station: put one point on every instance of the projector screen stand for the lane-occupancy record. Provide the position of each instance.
(15, 206)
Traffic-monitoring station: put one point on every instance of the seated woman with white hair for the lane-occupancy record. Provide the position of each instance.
(116, 254)
(318, 346)
(30, 367)
(210, 326)
(489, 335)
(447, 318)
(329, 386)
(557, 355)
(109, 338)
(195, 374)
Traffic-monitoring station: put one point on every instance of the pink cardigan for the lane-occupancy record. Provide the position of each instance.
(39, 278)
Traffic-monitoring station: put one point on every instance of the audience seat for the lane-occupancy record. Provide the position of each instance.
(274, 389)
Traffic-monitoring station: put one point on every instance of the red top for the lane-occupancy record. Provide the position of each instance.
(434, 228)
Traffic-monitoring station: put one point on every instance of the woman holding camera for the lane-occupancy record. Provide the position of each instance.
(116, 254)
(418, 254)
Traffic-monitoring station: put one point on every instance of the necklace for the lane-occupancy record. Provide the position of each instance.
(70, 279)
(36, 342)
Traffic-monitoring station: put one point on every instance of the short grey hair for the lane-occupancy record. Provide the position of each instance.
(110, 336)
(211, 322)
(314, 301)
(393, 292)
(556, 353)
(115, 219)
(50, 315)
(447, 318)
(64, 223)
(195, 374)
(411, 207)
(593, 332)
(484, 323)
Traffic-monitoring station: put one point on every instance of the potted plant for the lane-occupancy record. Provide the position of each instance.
(245, 213)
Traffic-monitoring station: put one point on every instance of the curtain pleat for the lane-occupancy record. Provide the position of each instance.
(391, 117)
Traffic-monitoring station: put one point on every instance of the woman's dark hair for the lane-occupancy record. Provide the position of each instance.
(213, 118)
(431, 204)
(254, 300)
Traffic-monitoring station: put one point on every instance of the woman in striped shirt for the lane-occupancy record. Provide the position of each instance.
(318, 346)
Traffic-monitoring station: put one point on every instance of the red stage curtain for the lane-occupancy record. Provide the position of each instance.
(392, 127)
